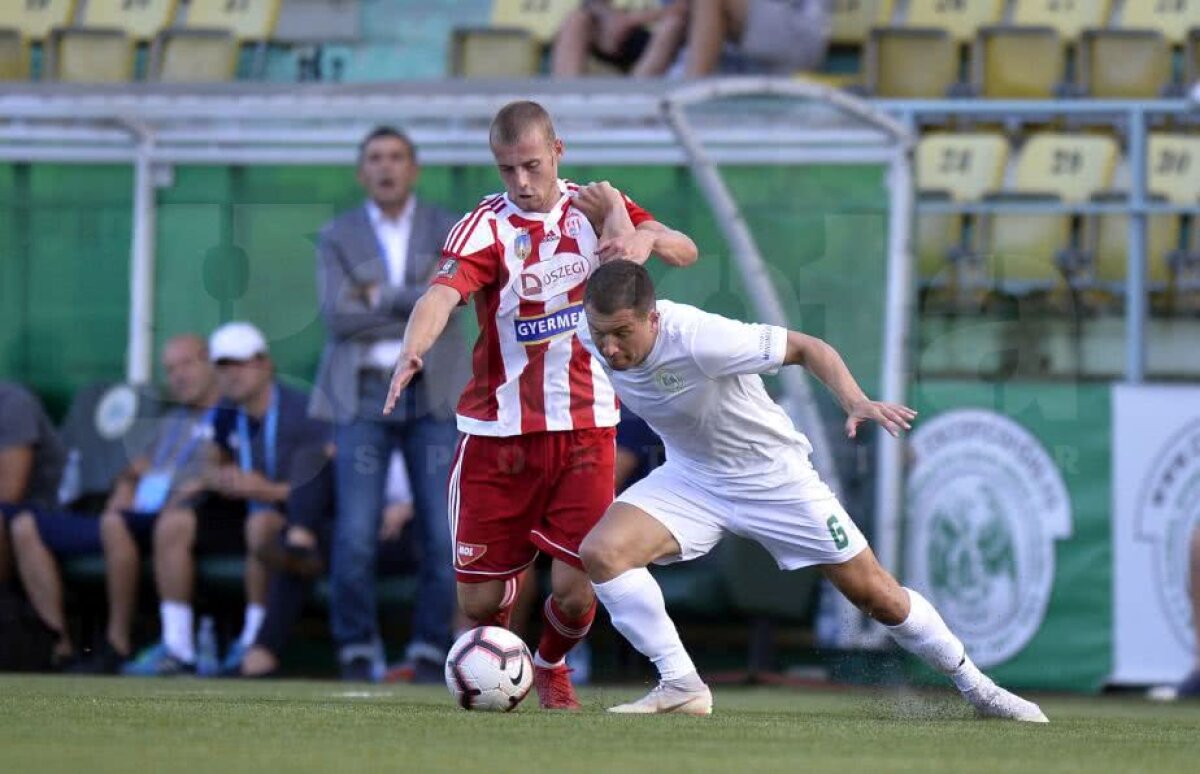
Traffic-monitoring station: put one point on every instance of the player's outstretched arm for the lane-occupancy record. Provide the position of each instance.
(428, 320)
(620, 239)
(824, 362)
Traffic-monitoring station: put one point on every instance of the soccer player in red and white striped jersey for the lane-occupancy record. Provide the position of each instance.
(534, 467)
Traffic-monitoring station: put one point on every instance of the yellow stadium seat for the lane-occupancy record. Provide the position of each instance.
(937, 239)
(247, 19)
(1173, 168)
(141, 19)
(193, 56)
(1124, 64)
(541, 18)
(89, 55)
(906, 63)
(1171, 18)
(14, 56)
(1071, 167)
(961, 19)
(965, 166)
(1018, 63)
(852, 20)
(1070, 19)
(1022, 250)
(1107, 237)
(35, 20)
(494, 53)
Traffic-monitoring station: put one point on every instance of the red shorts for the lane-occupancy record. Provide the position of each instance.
(512, 497)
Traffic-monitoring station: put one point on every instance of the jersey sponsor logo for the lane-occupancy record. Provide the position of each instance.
(522, 244)
(535, 330)
(468, 553)
(986, 504)
(668, 381)
(546, 279)
(448, 268)
(1166, 516)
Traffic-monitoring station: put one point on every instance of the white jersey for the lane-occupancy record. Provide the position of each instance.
(699, 389)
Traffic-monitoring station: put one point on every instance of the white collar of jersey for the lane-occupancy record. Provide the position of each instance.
(379, 219)
(555, 211)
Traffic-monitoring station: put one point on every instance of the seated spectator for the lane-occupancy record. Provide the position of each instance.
(303, 553)
(238, 503)
(639, 43)
(765, 36)
(31, 461)
(42, 537)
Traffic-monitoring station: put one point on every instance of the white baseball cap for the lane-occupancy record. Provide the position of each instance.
(239, 341)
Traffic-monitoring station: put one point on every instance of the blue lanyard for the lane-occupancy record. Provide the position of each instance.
(184, 454)
(270, 428)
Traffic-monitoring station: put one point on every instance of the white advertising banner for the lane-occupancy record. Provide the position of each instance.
(1156, 508)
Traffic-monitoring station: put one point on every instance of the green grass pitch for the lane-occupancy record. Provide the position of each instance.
(61, 724)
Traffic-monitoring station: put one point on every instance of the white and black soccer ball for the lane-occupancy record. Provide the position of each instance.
(489, 668)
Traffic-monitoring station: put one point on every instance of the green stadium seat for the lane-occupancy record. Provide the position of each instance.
(193, 56)
(1170, 18)
(852, 20)
(1124, 64)
(493, 52)
(961, 19)
(141, 21)
(1069, 19)
(1018, 63)
(36, 20)
(906, 63)
(304, 22)
(14, 56)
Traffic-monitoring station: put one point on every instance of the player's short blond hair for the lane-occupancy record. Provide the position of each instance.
(516, 119)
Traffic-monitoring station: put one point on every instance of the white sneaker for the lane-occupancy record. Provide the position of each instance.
(664, 698)
(992, 701)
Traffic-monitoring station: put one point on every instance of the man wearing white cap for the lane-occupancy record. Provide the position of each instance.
(240, 498)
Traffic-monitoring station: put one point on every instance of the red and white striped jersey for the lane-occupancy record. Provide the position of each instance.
(529, 373)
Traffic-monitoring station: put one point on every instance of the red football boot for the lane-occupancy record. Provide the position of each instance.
(554, 688)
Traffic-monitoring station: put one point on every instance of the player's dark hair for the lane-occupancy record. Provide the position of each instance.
(385, 131)
(619, 285)
(517, 118)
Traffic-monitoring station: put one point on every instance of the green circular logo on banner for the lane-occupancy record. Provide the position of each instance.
(985, 505)
(1168, 512)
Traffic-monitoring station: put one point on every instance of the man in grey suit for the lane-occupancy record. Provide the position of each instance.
(374, 262)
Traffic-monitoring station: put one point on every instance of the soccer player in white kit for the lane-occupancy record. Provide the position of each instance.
(735, 463)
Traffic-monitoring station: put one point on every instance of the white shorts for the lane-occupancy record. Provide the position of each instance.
(791, 513)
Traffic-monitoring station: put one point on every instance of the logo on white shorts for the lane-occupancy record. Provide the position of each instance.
(1167, 515)
(985, 505)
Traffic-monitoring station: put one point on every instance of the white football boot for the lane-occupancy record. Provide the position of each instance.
(992, 701)
(664, 698)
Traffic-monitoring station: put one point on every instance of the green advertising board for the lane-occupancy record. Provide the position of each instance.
(1007, 527)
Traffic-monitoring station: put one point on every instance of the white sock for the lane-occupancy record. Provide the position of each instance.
(635, 604)
(542, 663)
(926, 636)
(254, 619)
(177, 630)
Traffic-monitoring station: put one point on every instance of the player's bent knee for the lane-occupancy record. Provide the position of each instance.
(602, 556)
(479, 602)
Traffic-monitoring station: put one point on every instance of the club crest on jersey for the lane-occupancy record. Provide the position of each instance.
(546, 279)
(573, 225)
(522, 244)
(466, 553)
(668, 381)
(535, 330)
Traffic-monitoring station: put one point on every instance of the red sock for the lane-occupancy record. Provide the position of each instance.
(560, 632)
(501, 617)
